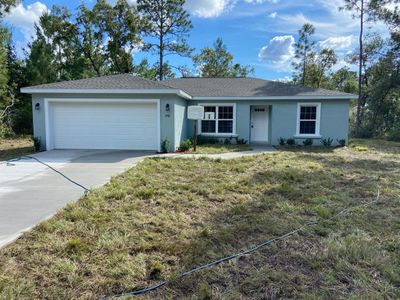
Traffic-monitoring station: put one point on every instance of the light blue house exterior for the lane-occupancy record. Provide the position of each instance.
(127, 112)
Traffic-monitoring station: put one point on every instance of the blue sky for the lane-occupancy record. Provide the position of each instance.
(259, 33)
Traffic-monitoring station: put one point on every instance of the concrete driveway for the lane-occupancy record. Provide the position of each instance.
(30, 192)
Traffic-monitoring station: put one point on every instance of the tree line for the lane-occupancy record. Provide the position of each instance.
(101, 40)
(376, 112)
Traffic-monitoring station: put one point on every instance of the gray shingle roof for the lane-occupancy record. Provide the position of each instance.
(120, 81)
(194, 86)
(245, 87)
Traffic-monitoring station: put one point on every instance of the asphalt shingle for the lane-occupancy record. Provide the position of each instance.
(120, 81)
(196, 86)
(245, 87)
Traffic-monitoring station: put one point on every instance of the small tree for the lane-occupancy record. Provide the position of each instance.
(304, 53)
(121, 24)
(218, 62)
(364, 11)
(145, 70)
(168, 25)
(343, 80)
(318, 69)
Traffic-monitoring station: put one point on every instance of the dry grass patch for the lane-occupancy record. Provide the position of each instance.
(15, 147)
(166, 216)
(220, 148)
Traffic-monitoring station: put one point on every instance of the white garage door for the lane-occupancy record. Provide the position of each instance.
(100, 125)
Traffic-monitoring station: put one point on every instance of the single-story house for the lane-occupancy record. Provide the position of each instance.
(127, 112)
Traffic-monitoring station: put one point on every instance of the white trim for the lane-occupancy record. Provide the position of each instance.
(216, 125)
(49, 145)
(311, 97)
(305, 136)
(219, 134)
(105, 91)
(317, 121)
(47, 125)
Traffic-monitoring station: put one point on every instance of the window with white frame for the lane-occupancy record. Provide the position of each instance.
(308, 119)
(218, 119)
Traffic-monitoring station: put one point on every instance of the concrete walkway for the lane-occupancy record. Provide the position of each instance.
(30, 192)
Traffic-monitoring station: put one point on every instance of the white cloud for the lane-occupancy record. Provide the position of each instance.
(273, 15)
(209, 8)
(338, 42)
(279, 52)
(25, 18)
(261, 1)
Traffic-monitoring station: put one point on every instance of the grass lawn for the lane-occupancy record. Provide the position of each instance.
(219, 148)
(166, 216)
(14, 147)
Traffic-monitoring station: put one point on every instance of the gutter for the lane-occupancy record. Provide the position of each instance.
(317, 97)
(177, 92)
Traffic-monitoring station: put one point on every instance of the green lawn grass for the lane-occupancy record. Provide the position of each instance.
(166, 216)
(219, 148)
(15, 147)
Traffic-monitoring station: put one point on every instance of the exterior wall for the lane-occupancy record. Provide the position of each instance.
(38, 119)
(283, 118)
(334, 120)
(168, 123)
(176, 127)
(242, 115)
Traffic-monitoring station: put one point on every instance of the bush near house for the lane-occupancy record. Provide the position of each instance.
(291, 142)
(327, 142)
(185, 145)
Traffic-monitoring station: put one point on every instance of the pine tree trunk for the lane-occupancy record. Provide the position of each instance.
(304, 68)
(360, 64)
(160, 68)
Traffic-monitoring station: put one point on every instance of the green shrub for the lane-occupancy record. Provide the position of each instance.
(5, 131)
(227, 141)
(185, 145)
(291, 141)
(241, 141)
(327, 142)
(308, 142)
(36, 143)
(394, 134)
(165, 146)
(341, 142)
(282, 141)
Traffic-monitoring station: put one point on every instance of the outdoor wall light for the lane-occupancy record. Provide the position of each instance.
(167, 107)
(37, 106)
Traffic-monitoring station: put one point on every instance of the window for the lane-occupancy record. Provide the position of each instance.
(218, 119)
(308, 119)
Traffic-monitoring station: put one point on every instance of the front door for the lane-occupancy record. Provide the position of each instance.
(259, 124)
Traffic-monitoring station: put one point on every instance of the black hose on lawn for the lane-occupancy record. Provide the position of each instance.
(11, 161)
(248, 251)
